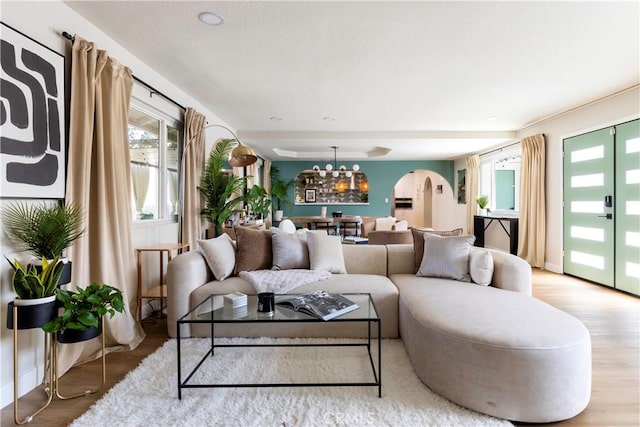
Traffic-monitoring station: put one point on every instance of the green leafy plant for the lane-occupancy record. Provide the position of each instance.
(280, 189)
(45, 230)
(482, 201)
(218, 186)
(29, 283)
(83, 308)
(258, 201)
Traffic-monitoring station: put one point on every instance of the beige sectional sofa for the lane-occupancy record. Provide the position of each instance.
(494, 349)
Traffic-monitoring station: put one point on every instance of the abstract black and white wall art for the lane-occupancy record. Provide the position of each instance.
(32, 125)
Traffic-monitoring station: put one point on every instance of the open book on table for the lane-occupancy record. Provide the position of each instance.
(320, 304)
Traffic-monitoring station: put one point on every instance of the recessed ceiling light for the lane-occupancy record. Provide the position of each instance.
(211, 18)
(275, 118)
(328, 119)
(491, 118)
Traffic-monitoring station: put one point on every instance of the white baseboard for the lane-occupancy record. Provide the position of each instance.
(27, 381)
(553, 268)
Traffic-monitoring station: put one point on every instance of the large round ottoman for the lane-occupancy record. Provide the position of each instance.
(498, 352)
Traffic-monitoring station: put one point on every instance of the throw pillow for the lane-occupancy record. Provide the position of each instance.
(401, 226)
(220, 254)
(481, 267)
(385, 223)
(446, 257)
(254, 249)
(418, 241)
(325, 253)
(289, 250)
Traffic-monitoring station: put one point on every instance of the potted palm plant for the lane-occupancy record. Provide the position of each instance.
(280, 192)
(218, 187)
(82, 311)
(44, 230)
(36, 293)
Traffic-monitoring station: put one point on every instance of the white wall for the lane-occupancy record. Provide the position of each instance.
(613, 110)
(607, 112)
(44, 22)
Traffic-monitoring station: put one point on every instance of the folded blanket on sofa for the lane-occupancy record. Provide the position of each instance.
(282, 281)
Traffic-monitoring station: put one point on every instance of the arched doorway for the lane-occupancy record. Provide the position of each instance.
(430, 198)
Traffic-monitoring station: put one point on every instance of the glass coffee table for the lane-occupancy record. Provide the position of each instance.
(212, 312)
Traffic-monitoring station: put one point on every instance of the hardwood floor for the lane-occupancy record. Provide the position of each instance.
(613, 319)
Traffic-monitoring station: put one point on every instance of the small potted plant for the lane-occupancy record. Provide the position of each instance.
(44, 230)
(482, 202)
(36, 293)
(82, 311)
(280, 192)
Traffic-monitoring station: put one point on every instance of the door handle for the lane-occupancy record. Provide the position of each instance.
(608, 216)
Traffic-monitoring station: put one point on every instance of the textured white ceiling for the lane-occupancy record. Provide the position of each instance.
(418, 78)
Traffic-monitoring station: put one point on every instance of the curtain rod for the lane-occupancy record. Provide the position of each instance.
(152, 90)
(499, 149)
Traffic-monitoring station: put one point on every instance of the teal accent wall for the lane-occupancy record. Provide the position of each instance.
(382, 175)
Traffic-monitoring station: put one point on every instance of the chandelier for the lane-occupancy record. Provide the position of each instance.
(333, 169)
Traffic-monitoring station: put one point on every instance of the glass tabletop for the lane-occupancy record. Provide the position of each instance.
(214, 309)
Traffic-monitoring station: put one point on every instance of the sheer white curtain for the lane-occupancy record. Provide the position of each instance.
(140, 181)
(532, 226)
(172, 190)
(471, 186)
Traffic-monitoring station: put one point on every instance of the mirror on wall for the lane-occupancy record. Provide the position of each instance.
(500, 179)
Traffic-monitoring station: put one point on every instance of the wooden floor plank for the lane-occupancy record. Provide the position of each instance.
(613, 319)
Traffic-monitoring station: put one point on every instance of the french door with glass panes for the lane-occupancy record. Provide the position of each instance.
(602, 206)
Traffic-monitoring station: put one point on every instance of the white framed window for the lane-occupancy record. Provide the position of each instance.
(154, 138)
(500, 178)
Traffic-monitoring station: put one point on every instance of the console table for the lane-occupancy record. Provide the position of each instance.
(482, 222)
(158, 291)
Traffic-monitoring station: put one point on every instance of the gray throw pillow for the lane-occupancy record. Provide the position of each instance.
(446, 257)
(418, 241)
(289, 250)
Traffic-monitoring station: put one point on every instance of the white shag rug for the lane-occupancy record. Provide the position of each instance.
(148, 395)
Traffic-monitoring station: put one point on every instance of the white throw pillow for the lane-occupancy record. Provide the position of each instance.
(289, 250)
(287, 226)
(401, 226)
(220, 254)
(385, 223)
(325, 253)
(446, 257)
(481, 267)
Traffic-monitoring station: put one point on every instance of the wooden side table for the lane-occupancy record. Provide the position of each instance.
(159, 290)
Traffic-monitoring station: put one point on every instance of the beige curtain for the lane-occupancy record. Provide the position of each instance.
(266, 179)
(193, 153)
(532, 223)
(99, 180)
(471, 189)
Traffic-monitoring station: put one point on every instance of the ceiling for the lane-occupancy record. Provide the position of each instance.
(382, 80)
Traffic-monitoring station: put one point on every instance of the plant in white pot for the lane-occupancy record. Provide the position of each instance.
(36, 293)
(44, 230)
(482, 202)
(280, 192)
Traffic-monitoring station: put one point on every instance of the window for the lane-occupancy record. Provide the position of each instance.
(153, 142)
(500, 178)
